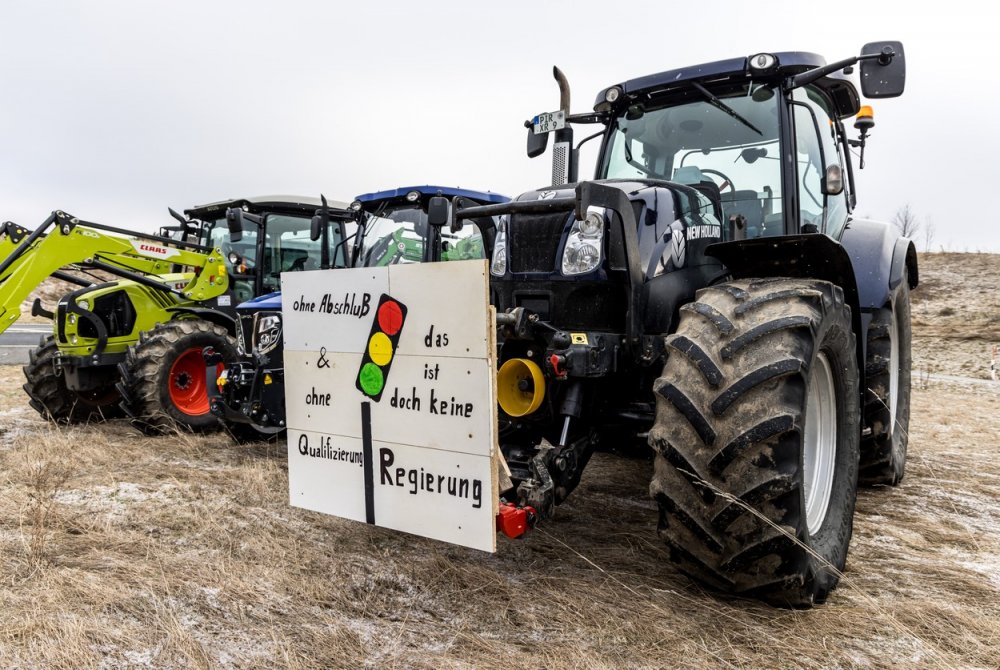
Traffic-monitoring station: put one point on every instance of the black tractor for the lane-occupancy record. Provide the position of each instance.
(713, 290)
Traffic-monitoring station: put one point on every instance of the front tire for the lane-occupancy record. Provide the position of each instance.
(887, 398)
(756, 439)
(164, 377)
(49, 396)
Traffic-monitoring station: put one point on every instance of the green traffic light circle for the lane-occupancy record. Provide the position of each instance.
(371, 379)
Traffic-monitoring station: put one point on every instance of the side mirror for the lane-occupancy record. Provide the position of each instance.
(833, 183)
(316, 227)
(234, 219)
(536, 143)
(885, 76)
(438, 211)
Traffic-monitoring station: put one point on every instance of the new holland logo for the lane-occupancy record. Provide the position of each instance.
(546, 195)
(678, 247)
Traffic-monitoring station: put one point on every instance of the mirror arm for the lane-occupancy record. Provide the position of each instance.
(884, 58)
(809, 76)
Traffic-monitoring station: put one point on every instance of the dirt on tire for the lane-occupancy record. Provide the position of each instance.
(730, 439)
(49, 396)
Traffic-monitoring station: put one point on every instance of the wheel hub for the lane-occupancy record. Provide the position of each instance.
(893, 371)
(187, 384)
(182, 381)
(820, 443)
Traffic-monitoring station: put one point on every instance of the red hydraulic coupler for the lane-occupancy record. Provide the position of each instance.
(514, 521)
(556, 361)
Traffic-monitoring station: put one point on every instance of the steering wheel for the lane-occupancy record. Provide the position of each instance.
(726, 181)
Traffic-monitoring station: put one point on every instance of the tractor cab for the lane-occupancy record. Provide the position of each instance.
(394, 227)
(771, 160)
(264, 236)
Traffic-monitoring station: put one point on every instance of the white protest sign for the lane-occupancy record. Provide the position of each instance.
(389, 397)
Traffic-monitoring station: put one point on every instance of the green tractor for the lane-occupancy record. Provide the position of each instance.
(133, 345)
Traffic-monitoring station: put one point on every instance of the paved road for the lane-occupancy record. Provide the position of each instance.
(18, 340)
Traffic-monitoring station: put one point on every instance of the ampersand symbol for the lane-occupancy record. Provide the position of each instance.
(322, 362)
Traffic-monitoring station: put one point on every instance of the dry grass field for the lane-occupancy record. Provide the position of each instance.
(119, 551)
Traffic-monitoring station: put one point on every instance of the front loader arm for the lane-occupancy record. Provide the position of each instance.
(28, 258)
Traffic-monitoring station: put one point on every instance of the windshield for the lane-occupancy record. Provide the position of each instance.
(288, 247)
(397, 235)
(730, 155)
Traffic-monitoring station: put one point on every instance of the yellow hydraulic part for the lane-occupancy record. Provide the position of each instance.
(520, 387)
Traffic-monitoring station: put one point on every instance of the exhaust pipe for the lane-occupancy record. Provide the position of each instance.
(563, 160)
(563, 89)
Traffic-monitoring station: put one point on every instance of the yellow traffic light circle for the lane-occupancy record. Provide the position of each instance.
(380, 349)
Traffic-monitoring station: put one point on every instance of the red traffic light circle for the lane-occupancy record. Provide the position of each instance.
(390, 317)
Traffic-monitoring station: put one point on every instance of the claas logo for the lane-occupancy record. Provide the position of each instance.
(381, 347)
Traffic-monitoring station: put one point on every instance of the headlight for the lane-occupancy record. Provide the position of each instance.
(498, 267)
(592, 225)
(266, 331)
(584, 243)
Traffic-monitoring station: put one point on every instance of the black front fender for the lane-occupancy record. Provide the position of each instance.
(215, 316)
(880, 256)
(811, 256)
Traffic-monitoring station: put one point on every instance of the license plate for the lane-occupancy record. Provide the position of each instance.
(549, 121)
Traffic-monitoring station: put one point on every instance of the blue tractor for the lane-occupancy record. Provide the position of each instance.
(384, 228)
(712, 289)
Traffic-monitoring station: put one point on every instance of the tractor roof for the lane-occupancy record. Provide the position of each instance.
(840, 88)
(291, 203)
(447, 191)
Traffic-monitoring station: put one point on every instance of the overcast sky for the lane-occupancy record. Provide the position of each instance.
(113, 110)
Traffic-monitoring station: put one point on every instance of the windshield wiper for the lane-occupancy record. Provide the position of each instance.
(724, 107)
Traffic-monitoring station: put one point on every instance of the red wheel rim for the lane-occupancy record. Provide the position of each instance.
(188, 386)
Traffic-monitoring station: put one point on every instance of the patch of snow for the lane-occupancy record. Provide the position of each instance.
(114, 499)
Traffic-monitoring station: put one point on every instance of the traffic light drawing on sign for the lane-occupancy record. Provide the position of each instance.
(381, 347)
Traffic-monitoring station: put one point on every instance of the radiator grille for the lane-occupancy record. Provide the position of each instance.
(534, 241)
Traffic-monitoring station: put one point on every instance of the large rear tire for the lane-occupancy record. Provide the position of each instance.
(49, 396)
(887, 398)
(163, 377)
(756, 439)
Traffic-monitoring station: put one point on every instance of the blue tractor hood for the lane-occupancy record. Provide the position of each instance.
(271, 301)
